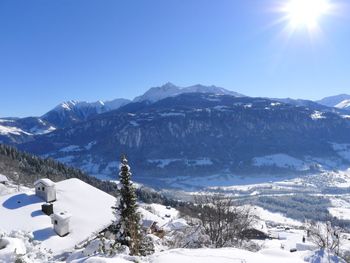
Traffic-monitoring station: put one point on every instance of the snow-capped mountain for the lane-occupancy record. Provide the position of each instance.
(203, 134)
(333, 101)
(170, 90)
(70, 112)
(18, 130)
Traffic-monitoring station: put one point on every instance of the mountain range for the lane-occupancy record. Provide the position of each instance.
(171, 133)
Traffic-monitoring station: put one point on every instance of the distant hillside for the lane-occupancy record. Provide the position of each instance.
(333, 101)
(199, 134)
(25, 169)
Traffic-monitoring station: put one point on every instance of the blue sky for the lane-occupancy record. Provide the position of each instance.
(57, 50)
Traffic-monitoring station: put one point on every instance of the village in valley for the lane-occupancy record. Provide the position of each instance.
(73, 221)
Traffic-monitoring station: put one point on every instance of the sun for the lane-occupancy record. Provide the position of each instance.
(305, 13)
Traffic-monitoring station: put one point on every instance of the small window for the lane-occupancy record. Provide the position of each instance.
(56, 222)
(43, 188)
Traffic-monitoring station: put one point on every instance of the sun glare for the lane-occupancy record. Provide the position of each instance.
(305, 13)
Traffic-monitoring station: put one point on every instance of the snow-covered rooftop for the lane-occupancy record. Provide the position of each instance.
(89, 207)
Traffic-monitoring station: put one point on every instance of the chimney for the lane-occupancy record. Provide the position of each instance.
(47, 209)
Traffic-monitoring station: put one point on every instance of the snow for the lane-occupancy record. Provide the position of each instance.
(340, 207)
(162, 163)
(71, 148)
(5, 120)
(274, 104)
(345, 104)
(99, 106)
(249, 105)
(176, 224)
(172, 114)
(5, 130)
(224, 255)
(282, 161)
(3, 179)
(162, 211)
(201, 162)
(90, 209)
(159, 213)
(220, 255)
(275, 217)
(169, 90)
(334, 100)
(221, 108)
(317, 115)
(89, 145)
(39, 131)
(9, 247)
(106, 260)
(321, 256)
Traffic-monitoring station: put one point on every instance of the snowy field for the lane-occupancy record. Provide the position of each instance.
(333, 186)
(287, 232)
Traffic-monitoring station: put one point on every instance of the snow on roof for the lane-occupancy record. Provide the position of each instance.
(160, 214)
(176, 224)
(89, 207)
(3, 179)
(261, 226)
(45, 181)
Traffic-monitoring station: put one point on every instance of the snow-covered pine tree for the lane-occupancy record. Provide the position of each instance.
(128, 228)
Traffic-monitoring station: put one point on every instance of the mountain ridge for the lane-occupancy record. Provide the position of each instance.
(203, 134)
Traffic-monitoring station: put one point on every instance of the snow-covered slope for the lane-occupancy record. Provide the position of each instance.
(170, 90)
(334, 100)
(345, 104)
(221, 255)
(225, 255)
(14, 130)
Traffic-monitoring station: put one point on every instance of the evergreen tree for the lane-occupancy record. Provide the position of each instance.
(128, 228)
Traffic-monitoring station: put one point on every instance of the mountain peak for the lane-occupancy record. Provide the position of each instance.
(169, 85)
(169, 90)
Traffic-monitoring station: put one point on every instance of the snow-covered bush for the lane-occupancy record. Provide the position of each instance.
(324, 236)
(19, 246)
(147, 245)
(104, 246)
(223, 220)
(188, 237)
